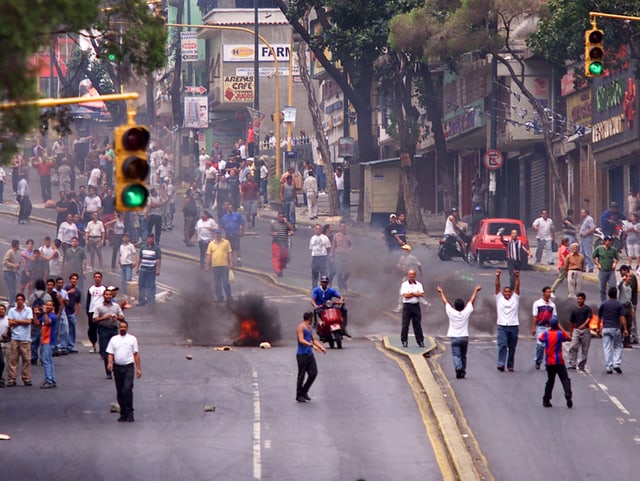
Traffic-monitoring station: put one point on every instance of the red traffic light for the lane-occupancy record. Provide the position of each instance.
(135, 138)
(596, 36)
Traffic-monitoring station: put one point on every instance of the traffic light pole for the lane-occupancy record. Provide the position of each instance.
(50, 102)
(612, 15)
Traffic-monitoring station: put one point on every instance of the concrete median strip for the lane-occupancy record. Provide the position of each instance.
(457, 450)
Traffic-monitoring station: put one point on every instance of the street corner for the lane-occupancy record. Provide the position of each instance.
(393, 343)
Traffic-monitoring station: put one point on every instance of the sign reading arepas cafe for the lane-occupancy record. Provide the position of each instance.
(615, 109)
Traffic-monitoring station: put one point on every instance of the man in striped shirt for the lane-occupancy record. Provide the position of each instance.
(552, 340)
(515, 248)
(280, 231)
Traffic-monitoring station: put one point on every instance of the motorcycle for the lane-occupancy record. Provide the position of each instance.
(330, 324)
(450, 247)
(618, 237)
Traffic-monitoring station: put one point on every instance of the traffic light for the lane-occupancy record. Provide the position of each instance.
(131, 167)
(593, 52)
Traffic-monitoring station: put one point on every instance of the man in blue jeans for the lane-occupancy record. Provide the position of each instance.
(147, 269)
(614, 328)
(507, 308)
(543, 310)
(458, 332)
(606, 258)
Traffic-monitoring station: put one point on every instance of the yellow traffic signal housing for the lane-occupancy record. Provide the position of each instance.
(131, 167)
(593, 52)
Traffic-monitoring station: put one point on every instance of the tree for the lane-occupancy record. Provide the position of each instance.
(128, 29)
(421, 37)
(355, 33)
(316, 118)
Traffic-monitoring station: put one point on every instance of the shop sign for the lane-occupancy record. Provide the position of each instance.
(238, 89)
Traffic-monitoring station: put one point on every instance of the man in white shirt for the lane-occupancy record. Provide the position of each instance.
(458, 332)
(3, 180)
(340, 187)
(94, 299)
(319, 245)
(5, 337)
(127, 257)
(94, 177)
(202, 162)
(91, 204)
(94, 239)
(23, 196)
(205, 228)
(411, 292)
(507, 306)
(545, 232)
(67, 231)
(122, 355)
(310, 187)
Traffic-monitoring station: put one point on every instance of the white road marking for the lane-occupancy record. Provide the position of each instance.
(614, 399)
(257, 428)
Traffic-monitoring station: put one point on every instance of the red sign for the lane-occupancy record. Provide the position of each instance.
(493, 159)
(195, 90)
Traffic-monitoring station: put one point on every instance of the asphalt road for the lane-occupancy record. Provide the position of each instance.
(367, 418)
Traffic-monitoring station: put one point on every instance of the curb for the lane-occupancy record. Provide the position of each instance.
(453, 438)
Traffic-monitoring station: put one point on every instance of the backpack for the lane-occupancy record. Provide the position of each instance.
(37, 300)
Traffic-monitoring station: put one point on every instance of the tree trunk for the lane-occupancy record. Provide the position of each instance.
(316, 117)
(433, 104)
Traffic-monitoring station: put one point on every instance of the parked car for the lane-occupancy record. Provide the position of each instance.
(486, 244)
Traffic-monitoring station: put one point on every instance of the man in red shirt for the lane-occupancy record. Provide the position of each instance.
(249, 190)
(44, 171)
(552, 340)
(251, 141)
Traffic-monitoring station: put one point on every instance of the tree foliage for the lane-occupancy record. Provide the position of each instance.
(129, 28)
(560, 34)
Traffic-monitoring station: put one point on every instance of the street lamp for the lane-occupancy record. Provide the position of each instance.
(276, 76)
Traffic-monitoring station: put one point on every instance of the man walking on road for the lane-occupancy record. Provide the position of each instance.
(515, 252)
(220, 259)
(507, 307)
(543, 310)
(233, 225)
(280, 230)
(23, 197)
(205, 228)
(606, 258)
(580, 333)
(147, 269)
(307, 366)
(319, 245)
(123, 355)
(587, 228)
(106, 318)
(411, 292)
(458, 332)
(552, 341)
(545, 232)
(611, 314)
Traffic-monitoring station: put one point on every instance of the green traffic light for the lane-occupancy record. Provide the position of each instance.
(596, 68)
(112, 57)
(134, 195)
